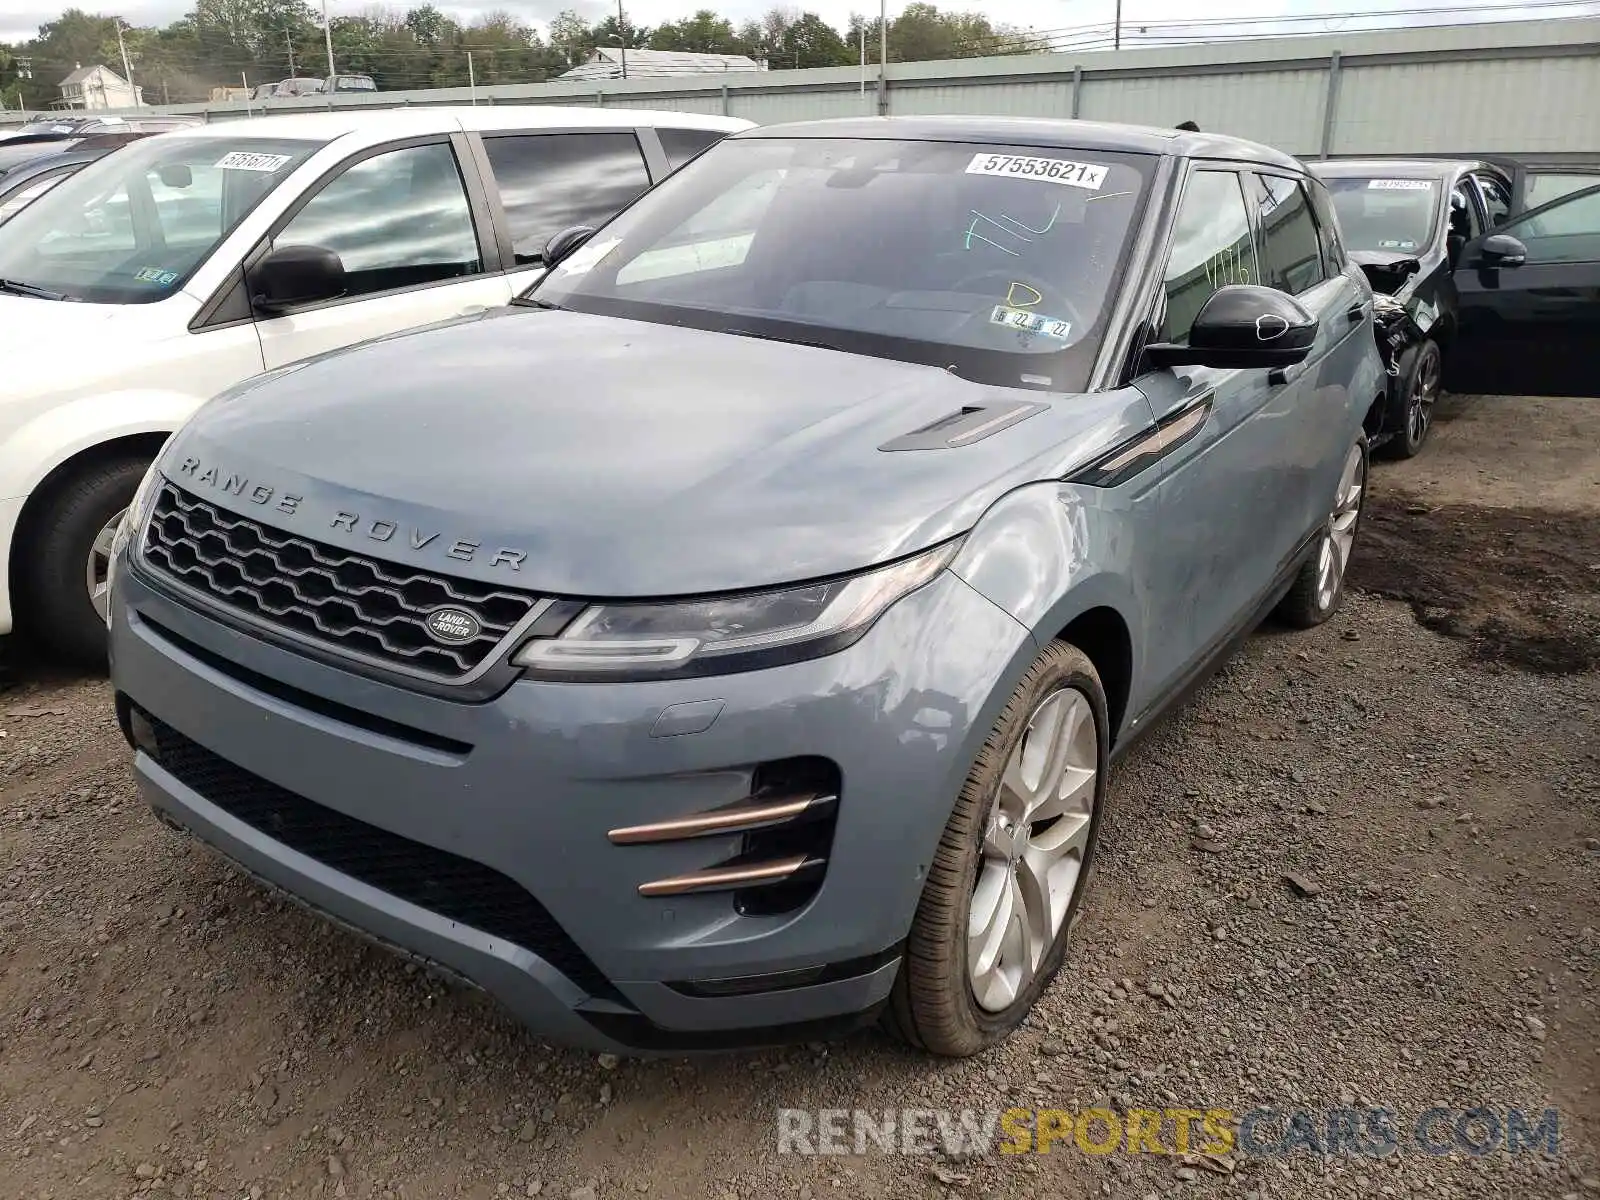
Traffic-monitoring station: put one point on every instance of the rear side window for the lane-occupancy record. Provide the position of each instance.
(1211, 247)
(1291, 245)
(681, 145)
(550, 181)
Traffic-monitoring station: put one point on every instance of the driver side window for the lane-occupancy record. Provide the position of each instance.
(1211, 246)
(397, 219)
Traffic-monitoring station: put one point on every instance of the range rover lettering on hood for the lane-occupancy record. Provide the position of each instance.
(352, 525)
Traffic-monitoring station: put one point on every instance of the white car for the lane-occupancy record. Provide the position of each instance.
(188, 262)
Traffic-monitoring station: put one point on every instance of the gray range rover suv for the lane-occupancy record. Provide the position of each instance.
(730, 642)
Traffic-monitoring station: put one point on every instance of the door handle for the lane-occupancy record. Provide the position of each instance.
(1284, 375)
(1356, 313)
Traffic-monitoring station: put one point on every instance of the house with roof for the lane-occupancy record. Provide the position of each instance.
(98, 87)
(607, 62)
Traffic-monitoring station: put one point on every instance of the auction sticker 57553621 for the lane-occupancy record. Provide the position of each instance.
(1045, 170)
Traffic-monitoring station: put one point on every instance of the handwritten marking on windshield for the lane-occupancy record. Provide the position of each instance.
(1006, 226)
(1015, 300)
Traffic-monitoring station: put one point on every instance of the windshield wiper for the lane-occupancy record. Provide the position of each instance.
(535, 302)
(18, 288)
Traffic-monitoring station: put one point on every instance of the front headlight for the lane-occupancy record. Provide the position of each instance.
(727, 633)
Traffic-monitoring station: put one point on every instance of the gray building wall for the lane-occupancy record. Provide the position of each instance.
(1515, 87)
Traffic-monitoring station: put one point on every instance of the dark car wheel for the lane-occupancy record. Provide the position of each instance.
(1010, 870)
(1422, 391)
(61, 567)
(1318, 589)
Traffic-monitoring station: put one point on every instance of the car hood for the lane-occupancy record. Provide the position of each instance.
(1388, 271)
(591, 456)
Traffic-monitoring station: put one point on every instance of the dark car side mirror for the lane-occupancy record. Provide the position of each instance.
(293, 275)
(564, 243)
(1502, 250)
(1242, 325)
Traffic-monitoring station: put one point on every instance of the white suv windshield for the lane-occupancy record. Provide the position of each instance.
(995, 261)
(133, 226)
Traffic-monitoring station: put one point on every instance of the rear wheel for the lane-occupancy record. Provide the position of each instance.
(1422, 392)
(1004, 887)
(1318, 589)
(62, 564)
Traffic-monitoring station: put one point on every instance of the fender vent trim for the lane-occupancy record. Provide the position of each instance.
(965, 426)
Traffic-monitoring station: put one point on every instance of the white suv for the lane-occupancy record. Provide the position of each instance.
(185, 263)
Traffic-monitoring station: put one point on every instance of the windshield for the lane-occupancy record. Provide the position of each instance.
(130, 228)
(997, 262)
(1391, 215)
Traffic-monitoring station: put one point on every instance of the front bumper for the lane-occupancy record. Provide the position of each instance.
(476, 836)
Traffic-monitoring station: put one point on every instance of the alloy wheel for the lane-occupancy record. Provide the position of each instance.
(1424, 391)
(1340, 534)
(97, 570)
(1035, 844)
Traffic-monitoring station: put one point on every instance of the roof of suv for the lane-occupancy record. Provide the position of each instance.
(1037, 131)
(393, 122)
(1397, 168)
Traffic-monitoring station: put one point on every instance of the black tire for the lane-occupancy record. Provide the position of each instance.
(1306, 605)
(1421, 395)
(932, 1006)
(52, 591)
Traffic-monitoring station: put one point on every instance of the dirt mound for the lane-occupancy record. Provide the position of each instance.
(1521, 584)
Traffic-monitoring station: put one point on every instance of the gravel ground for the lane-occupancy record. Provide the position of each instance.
(1361, 869)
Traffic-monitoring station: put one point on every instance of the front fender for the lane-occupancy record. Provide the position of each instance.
(1050, 552)
(65, 430)
(60, 433)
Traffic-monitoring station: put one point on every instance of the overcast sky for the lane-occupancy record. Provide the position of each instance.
(19, 19)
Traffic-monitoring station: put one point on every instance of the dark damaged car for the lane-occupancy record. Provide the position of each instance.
(1474, 296)
(731, 643)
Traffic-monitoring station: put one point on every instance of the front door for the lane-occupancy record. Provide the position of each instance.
(1532, 328)
(1224, 521)
(400, 222)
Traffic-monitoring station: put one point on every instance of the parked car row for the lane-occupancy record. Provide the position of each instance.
(713, 621)
(1496, 276)
(302, 85)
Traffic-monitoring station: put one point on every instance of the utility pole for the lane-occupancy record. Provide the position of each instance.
(288, 40)
(883, 36)
(1116, 36)
(622, 39)
(472, 80)
(327, 34)
(127, 70)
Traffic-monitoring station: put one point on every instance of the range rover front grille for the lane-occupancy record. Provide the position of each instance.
(349, 602)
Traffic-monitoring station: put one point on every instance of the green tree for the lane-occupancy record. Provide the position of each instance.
(811, 42)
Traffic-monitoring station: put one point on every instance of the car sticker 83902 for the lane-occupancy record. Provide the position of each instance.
(1045, 170)
(1400, 185)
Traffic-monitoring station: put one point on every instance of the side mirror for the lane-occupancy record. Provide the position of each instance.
(564, 243)
(175, 175)
(1242, 325)
(294, 275)
(1502, 250)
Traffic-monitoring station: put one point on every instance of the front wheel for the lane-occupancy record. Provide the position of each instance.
(62, 566)
(1422, 392)
(1318, 589)
(1005, 883)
